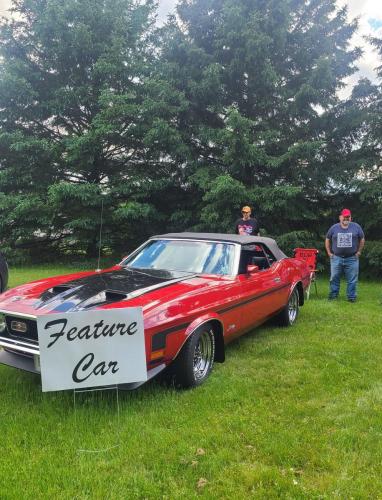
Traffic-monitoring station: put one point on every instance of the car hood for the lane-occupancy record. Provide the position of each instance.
(89, 291)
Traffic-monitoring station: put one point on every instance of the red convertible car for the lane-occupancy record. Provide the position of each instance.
(198, 292)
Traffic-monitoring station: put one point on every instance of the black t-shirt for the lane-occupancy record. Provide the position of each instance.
(250, 227)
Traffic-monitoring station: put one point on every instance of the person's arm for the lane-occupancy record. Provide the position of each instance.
(257, 228)
(327, 247)
(360, 247)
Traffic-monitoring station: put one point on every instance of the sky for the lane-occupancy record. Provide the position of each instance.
(369, 13)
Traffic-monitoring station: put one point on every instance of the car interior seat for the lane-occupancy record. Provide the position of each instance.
(260, 261)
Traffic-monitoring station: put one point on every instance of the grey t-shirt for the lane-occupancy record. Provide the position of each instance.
(345, 241)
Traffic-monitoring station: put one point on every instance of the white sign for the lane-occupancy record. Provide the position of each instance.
(92, 348)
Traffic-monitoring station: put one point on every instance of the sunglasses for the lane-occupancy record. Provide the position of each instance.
(244, 212)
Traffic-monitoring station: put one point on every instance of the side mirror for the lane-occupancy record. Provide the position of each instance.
(252, 269)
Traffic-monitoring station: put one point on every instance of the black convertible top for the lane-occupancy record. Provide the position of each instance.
(228, 238)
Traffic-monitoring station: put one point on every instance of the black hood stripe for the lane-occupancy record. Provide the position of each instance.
(105, 288)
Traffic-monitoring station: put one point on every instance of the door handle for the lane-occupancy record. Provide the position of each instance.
(277, 280)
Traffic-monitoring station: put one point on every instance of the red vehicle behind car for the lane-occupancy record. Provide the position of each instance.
(198, 292)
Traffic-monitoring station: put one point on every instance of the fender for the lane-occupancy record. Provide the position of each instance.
(300, 290)
(205, 318)
(305, 272)
(219, 338)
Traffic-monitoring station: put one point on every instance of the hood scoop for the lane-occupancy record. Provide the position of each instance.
(102, 298)
(56, 290)
(114, 296)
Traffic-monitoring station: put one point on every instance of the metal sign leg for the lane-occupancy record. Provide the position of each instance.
(89, 433)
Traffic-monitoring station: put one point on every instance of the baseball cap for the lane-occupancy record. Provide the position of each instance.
(346, 212)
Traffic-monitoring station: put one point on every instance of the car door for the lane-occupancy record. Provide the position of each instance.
(263, 292)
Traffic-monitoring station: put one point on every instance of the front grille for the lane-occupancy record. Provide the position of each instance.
(22, 328)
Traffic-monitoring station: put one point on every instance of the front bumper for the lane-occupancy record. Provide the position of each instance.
(25, 363)
(23, 348)
(19, 354)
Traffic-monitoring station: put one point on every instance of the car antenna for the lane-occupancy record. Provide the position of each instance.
(100, 239)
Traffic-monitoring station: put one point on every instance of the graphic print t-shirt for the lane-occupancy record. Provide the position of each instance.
(345, 241)
(249, 227)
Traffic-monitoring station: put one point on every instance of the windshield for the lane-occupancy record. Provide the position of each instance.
(181, 255)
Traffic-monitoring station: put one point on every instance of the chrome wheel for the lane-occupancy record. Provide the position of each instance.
(194, 363)
(293, 305)
(288, 314)
(204, 355)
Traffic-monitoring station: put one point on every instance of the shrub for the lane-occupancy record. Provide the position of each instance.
(371, 260)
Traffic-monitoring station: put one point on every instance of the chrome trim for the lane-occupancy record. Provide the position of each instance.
(237, 259)
(134, 252)
(28, 344)
(19, 346)
(18, 315)
(207, 321)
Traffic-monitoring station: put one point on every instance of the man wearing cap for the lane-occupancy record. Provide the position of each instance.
(344, 243)
(247, 225)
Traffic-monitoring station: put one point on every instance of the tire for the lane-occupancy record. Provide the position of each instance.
(195, 361)
(288, 315)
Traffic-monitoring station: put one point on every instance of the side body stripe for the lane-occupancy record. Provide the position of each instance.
(252, 299)
(158, 340)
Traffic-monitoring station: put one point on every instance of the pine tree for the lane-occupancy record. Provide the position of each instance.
(260, 77)
(74, 122)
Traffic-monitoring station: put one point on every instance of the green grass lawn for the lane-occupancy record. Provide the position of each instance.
(292, 413)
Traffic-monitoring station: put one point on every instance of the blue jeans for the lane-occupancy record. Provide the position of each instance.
(349, 267)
